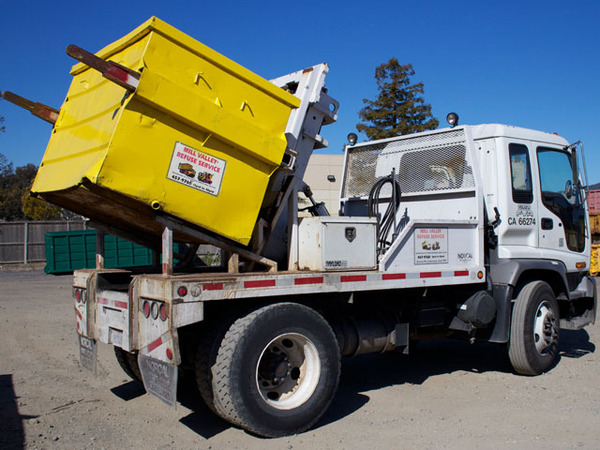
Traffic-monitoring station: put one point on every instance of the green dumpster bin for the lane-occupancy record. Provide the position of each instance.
(67, 251)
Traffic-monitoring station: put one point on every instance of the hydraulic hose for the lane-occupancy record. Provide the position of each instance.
(386, 221)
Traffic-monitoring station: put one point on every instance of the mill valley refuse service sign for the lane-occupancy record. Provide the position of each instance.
(431, 246)
(196, 169)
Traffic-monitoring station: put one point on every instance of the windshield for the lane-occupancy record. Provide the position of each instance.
(556, 174)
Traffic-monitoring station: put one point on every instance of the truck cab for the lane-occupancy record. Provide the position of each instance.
(535, 199)
(532, 179)
(501, 198)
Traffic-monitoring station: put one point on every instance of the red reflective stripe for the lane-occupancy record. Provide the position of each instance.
(154, 344)
(351, 278)
(119, 304)
(78, 314)
(259, 283)
(461, 273)
(431, 274)
(308, 280)
(393, 276)
(213, 286)
(103, 301)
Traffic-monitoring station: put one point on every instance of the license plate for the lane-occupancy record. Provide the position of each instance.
(87, 353)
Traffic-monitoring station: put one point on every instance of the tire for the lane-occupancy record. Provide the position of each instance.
(129, 364)
(534, 330)
(277, 370)
(206, 355)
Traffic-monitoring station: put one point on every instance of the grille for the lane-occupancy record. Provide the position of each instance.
(434, 162)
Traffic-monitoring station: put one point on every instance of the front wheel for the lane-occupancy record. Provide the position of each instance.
(534, 331)
(277, 370)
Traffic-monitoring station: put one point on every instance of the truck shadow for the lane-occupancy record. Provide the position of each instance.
(370, 372)
(12, 433)
(202, 420)
(575, 344)
(430, 358)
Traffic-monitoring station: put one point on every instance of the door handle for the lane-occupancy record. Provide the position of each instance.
(547, 223)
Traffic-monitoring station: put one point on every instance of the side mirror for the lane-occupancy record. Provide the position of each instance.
(569, 189)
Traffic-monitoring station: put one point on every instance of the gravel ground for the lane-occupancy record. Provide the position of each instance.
(449, 395)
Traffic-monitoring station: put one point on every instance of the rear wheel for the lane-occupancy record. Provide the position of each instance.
(276, 370)
(534, 333)
(206, 355)
(129, 364)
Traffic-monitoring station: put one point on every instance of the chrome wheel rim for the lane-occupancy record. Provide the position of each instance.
(544, 328)
(288, 371)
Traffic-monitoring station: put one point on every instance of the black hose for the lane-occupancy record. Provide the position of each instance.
(386, 221)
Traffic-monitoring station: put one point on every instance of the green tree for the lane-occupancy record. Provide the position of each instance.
(15, 185)
(399, 108)
(36, 209)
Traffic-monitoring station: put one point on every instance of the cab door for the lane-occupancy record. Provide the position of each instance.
(562, 223)
(519, 232)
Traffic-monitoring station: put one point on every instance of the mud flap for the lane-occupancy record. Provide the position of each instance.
(87, 353)
(160, 379)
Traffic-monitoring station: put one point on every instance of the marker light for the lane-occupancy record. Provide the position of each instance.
(352, 138)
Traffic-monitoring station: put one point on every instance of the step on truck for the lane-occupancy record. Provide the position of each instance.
(474, 232)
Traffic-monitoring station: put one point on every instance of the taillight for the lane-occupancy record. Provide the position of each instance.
(80, 295)
(154, 310)
(146, 308)
(182, 291)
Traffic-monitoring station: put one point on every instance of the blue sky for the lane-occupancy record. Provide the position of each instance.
(534, 64)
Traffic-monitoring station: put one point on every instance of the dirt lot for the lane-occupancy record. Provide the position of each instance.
(449, 395)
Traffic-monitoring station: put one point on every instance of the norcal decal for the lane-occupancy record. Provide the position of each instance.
(196, 169)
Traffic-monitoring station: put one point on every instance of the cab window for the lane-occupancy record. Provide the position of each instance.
(520, 171)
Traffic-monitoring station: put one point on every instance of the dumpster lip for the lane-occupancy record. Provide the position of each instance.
(196, 47)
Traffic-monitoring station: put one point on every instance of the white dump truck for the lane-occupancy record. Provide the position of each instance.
(474, 232)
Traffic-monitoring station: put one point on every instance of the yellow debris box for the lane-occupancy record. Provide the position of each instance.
(198, 138)
(595, 223)
(595, 260)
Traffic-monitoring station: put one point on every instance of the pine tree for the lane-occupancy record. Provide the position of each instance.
(399, 108)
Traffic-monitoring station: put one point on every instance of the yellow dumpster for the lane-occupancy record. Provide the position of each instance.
(595, 224)
(595, 260)
(198, 138)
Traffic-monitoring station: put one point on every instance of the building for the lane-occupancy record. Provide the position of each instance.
(324, 176)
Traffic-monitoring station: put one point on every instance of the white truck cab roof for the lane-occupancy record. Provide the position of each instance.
(494, 130)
